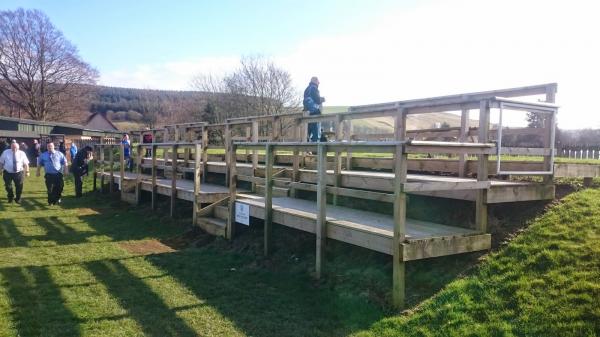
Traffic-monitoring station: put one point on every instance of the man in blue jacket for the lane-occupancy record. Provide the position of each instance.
(312, 103)
(55, 166)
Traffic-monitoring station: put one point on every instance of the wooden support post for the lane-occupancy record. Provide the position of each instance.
(95, 161)
(138, 178)
(276, 128)
(400, 170)
(229, 159)
(230, 231)
(173, 180)
(111, 159)
(102, 188)
(321, 226)
(348, 138)
(248, 138)
(204, 153)
(337, 168)
(197, 179)
(154, 194)
(268, 228)
(296, 157)
(462, 137)
(254, 153)
(549, 125)
(481, 211)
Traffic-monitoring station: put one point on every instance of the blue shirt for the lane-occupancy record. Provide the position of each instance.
(73, 151)
(126, 146)
(53, 162)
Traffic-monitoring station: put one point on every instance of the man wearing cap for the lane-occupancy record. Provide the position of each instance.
(55, 165)
(15, 165)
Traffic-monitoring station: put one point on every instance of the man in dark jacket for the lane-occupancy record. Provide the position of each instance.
(79, 167)
(312, 103)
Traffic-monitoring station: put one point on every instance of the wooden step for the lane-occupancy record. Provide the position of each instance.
(277, 191)
(213, 226)
(222, 212)
(282, 182)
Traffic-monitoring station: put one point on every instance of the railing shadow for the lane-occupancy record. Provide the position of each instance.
(37, 306)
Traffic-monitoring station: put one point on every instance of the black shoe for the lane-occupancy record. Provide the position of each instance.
(18, 201)
(10, 200)
(58, 202)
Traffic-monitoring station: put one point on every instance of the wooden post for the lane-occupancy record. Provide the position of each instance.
(138, 178)
(197, 179)
(400, 170)
(173, 180)
(268, 229)
(276, 129)
(296, 157)
(204, 153)
(348, 138)
(248, 138)
(154, 194)
(464, 131)
(102, 188)
(337, 168)
(481, 211)
(95, 161)
(111, 159)
(254, 153)
(549, 124)
(230, 232)
(321, 226)
(229, 159)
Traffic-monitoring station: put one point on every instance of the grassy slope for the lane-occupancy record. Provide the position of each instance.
(64, 272)
(544, 283)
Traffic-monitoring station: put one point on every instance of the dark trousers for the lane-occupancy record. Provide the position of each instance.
(313, 132)
(17, 179)
(78, 183)
(54, 186)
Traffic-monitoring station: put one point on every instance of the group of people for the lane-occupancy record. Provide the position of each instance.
(15, 165)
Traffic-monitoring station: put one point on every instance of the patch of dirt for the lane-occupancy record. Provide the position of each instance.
(195, 237)
(86, 211)
(146, 247)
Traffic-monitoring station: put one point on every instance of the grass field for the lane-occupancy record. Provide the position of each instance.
(96, 267)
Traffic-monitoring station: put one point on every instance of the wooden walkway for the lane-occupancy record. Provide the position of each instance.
(370, 230)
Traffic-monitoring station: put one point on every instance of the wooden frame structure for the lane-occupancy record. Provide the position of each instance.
(290, 167)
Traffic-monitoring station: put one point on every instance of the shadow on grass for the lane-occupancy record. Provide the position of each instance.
(141, 303)
(37, 307)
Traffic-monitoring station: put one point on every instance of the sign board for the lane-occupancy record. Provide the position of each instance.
(242, 213)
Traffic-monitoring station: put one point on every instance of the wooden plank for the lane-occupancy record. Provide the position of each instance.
(197, 180)
(463, 134)
(268, 226)
(154, 194)
(436, 247)
(138, 171)
(204, 153)
(337, 168)
(347, 192)
(444, 186)
(255, 131)
(321, 225)
(173, 180)
(232, 169)
(526, 151)
(111, 159)
(398, 283)
(481, 208)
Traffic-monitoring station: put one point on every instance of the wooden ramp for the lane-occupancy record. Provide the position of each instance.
(209, 193)
(371, 230)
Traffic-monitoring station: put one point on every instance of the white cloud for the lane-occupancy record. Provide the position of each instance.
(435, 49)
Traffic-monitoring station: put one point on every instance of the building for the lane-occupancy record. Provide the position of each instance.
(98, 121)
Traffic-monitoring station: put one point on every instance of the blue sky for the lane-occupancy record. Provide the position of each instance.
(113, 34)
(363, 51)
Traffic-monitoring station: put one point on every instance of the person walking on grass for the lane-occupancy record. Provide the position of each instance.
(312, 103)
(55, 166)
(15, 166)
(79, 167)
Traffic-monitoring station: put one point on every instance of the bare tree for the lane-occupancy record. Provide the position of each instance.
(40, 70)
(257, 87)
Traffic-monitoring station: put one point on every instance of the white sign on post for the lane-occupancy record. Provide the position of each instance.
(242, 213)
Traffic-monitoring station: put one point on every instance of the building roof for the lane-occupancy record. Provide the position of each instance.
(48, 123)
(89, 119)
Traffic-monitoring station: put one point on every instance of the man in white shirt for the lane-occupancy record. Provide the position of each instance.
(14, 165)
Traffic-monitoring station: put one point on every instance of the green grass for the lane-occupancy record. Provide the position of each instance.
(64, 271)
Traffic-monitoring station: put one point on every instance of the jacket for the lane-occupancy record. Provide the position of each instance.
(312, 99)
